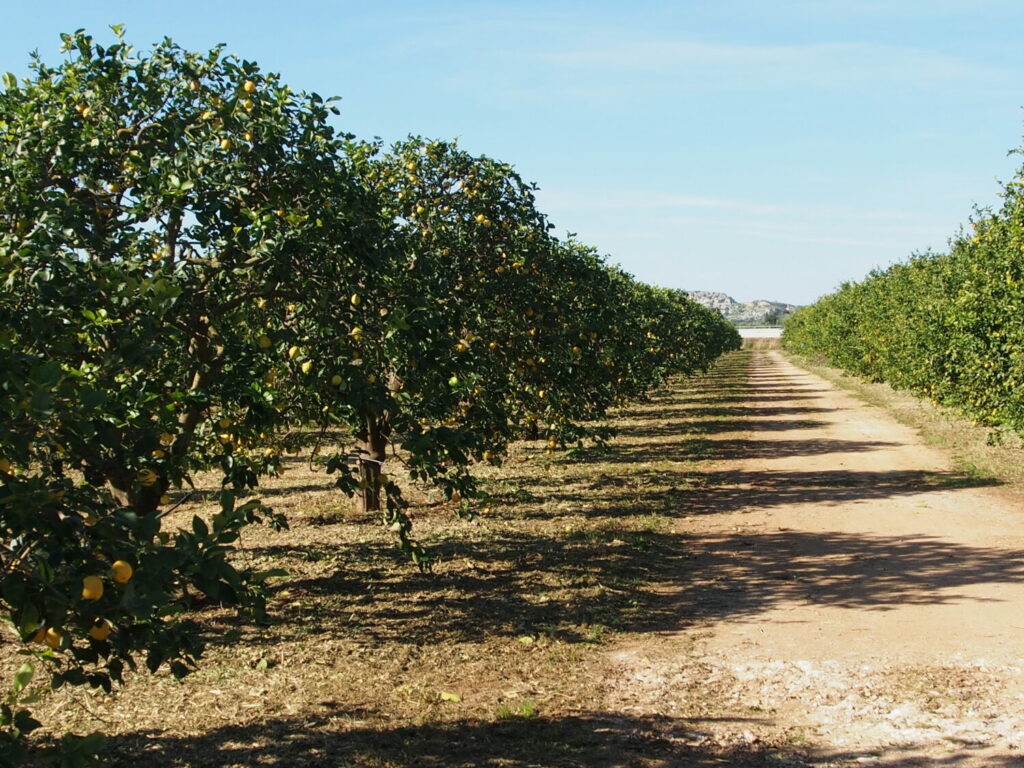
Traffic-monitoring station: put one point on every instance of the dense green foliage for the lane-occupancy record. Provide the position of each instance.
(200, 273)
(945, 326)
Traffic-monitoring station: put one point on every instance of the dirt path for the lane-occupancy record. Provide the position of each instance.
(862, 601)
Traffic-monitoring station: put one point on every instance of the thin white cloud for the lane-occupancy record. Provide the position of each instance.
(823, 64)
(662, 203)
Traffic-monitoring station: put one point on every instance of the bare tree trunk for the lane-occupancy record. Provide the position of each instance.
(532, 431)
(372, 444)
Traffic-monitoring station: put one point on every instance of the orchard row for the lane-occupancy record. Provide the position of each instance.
(943, 326)
(200, 272)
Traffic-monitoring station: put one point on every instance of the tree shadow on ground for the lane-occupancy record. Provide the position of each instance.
(715, 427)
(586, 740)
(596, 550)
(622, 566)
(687, 491)
(640, 580)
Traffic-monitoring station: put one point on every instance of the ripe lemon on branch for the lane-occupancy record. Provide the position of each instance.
(92, 588)
(121, 571)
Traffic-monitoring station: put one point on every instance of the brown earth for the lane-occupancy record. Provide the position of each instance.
(760, 570)
(863, 601)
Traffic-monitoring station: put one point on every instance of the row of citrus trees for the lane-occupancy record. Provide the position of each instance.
(200, 272)
(945, 326)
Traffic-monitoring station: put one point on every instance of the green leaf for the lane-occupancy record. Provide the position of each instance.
(23, 677)
(10, 81)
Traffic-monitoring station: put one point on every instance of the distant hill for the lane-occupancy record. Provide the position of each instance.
(760, 312)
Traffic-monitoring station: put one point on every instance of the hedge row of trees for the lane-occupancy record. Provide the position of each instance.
(944, 326)
(200, 272)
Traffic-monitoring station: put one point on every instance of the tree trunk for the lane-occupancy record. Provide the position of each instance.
(532, 431)
(372, 444)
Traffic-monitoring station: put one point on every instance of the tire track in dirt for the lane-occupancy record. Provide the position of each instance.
(861, 601)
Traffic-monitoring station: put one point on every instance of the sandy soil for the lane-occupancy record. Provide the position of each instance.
(862, 601)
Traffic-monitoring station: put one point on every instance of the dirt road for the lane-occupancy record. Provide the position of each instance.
(862, 602)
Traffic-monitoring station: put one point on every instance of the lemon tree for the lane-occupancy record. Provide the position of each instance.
(944, 326)
(482, 325)
(172, 224)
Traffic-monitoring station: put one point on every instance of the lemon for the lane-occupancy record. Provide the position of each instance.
(100, 630)
(53, 638)
(264, 342)
(249, 86)
(92, 588)
(146, 477)
(122, 571)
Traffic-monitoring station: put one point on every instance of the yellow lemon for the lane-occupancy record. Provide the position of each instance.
(249, 86)
(100, 630)
(122, 571)
(147, 477)
(92, 588)
(53, 638)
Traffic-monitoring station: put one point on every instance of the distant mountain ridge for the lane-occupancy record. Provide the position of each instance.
(760, 312)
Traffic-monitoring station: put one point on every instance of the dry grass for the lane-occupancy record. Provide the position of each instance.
(499, 657)
(773, 343)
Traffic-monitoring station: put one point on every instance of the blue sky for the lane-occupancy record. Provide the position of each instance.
(764, 149)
